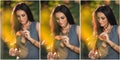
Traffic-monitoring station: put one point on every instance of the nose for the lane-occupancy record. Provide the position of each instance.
(60, 21)
(100, 21)
(21, 18)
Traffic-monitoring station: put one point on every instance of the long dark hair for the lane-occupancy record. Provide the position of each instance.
(107, 11)
(66, 12)
(21, 6)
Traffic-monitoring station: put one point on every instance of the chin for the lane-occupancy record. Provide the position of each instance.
(63, 26)
(22, 23)
(102, 25)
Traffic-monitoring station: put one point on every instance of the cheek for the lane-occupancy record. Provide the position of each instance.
(65, 21)
(106, 21)
(25, 18)
(18, 18)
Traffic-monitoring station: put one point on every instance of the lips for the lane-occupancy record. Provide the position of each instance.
(61, 24)
(22, 22)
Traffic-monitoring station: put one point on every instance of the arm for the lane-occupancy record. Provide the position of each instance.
(105, 38)
(112, 44)
(37, 28)
(33, 41)
(74, 48)
(36, 43)
(102, 50)
(70, 46)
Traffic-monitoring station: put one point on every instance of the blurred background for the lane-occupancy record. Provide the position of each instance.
(7, 37)
(46, 9)
(87, 7)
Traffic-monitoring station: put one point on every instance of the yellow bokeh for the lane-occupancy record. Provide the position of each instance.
(86, 27)
(8, 36)
(45, 29)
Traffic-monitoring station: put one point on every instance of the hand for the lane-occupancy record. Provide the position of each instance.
(52, 55)
(104, 36)
(58, 37)
(93, 54)
(13, 52)
(27, 34)
(65, 41)
(43, 42)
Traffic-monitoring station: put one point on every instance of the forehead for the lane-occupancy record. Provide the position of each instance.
(59, 14)
(100, 14)
(18, 12)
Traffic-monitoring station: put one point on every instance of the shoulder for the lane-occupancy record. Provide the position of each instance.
(77, 26)
(118, 29)
(77, 29)
(37, 23)
(118, 26)
(37, 26)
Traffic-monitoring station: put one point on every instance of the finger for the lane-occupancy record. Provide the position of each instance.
(105, 34)
(102, 37)
(22, 33)
(25, 34)
(49, 55)
(55, 55)
(58, 37)
(26, 31)
(65, 41)
(91, 54)
(66, 37)
(12, 52)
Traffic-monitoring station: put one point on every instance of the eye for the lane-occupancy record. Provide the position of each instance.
(102, 18)
(57, 19)
(23, 15)
(62, 17)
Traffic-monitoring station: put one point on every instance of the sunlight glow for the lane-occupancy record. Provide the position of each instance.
(8, 36)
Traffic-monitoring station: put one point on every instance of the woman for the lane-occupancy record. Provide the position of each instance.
(27, 33)
(65, 32)
(109, 34)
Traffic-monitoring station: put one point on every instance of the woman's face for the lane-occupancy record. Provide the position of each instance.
(22, 16)
(61, 19)
(102, 19)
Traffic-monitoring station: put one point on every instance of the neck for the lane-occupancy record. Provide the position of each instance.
(26, 26)
(108, 28)
(66, 27)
